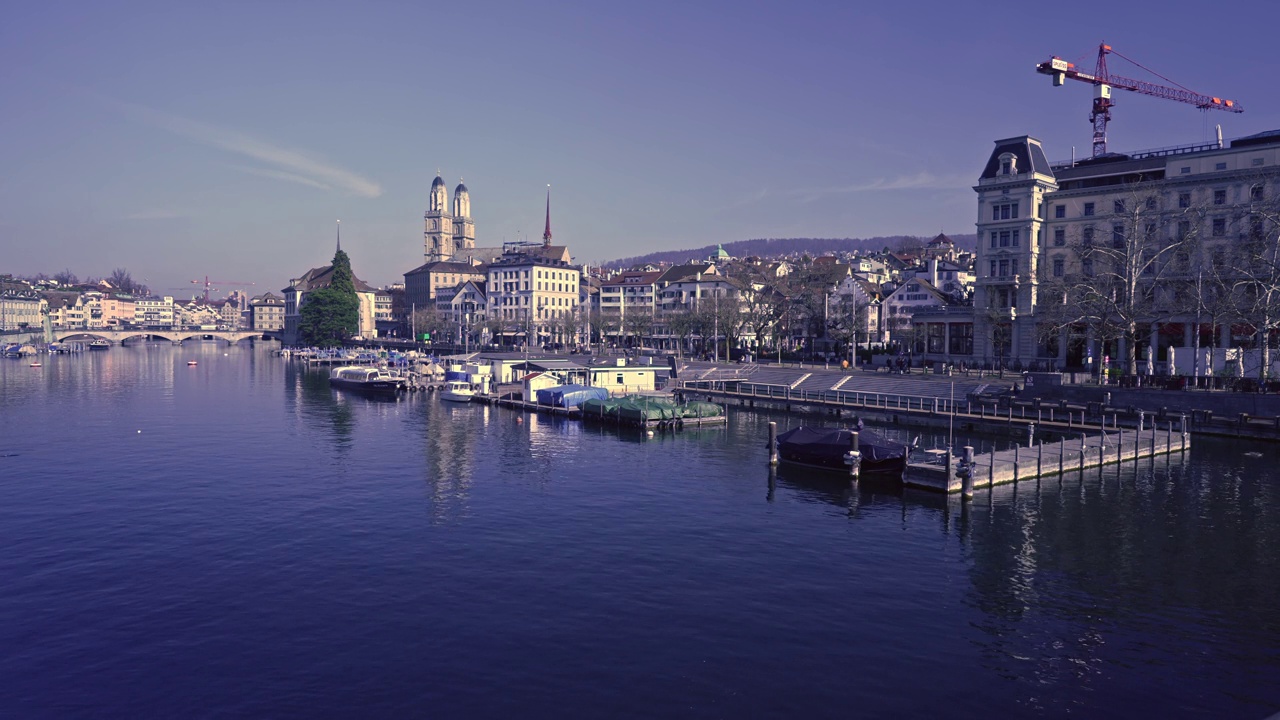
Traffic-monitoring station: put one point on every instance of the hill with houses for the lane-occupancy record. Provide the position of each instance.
(790, 248)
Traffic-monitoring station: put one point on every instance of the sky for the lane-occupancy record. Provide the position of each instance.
(224, 140)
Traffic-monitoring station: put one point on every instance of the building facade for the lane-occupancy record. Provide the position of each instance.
(1140, 230)
(447, 231)
(266, 313)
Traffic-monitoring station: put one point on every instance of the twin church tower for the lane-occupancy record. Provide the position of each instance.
(447, 233)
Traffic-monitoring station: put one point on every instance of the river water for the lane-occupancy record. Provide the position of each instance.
(236, 539)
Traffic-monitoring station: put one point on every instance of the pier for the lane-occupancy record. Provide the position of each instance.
(942, 472)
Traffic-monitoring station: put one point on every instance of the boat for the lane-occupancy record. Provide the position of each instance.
(99, 344)
(366, 379)
(37, 364)
(828, 449)
(191, 363)
(457, 391)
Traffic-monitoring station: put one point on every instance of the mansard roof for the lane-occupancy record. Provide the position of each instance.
(1026, 149)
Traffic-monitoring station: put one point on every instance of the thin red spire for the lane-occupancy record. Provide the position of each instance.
(546, 234)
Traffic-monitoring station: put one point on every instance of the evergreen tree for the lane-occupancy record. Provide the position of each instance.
(331, 314)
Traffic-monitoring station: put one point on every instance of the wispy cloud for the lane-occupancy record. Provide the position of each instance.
(919, 181)
(288, 164)
(281, 175)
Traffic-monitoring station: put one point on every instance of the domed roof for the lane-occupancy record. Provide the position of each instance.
(461, 190)
(438, 182)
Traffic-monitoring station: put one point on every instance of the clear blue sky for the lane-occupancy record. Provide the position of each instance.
(180, 140)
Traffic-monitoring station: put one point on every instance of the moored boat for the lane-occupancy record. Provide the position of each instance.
(366, 379)
(457, 391)
(828, 449)
(99, 344)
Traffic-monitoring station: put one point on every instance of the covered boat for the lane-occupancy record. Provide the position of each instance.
(570, 396)
(826, 448)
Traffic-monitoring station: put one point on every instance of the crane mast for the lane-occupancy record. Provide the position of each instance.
(1103, 82)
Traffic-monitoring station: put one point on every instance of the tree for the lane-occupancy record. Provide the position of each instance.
(1258, 265)
(66, 277)
(121, 280)
(1120, 261)
(431, 321)
(681, 323)
(847, 318)
(331, 314)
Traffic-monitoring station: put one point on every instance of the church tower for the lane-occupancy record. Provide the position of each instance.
(464, 228)
(438, 238)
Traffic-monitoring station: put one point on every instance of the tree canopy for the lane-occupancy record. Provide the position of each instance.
(331, 314)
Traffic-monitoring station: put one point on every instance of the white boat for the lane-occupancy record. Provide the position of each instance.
(457, 391)
(366, 379)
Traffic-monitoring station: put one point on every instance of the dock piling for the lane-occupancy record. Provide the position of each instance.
(966, 473)
(773, 443)
(855, 456)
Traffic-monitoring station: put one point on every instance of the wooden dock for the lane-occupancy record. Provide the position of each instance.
(1045, 459)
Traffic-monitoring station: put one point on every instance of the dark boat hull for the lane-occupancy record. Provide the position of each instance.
(825, 449)
(373, 387)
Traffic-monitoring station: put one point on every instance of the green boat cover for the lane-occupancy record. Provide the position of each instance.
(699, 410)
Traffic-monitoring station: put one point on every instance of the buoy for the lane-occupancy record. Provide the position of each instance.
(139, 432)
(650, 433)
(519, 420)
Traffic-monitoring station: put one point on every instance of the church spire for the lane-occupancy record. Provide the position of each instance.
(339, 235)
(546, 234)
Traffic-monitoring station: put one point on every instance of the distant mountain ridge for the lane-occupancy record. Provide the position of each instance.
(780, 247)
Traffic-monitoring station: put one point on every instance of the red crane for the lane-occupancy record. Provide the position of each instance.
(210, 283)
(1102, 82)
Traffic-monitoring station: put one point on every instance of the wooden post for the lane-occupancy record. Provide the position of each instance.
(1182, 425)
(1062, 457)
(966, 478)
(1082, 451)
(951, 470)
(1015, 462)
(855, 466)
(773, 443)
(991, 466)
(1040, 459)
(1119, 445)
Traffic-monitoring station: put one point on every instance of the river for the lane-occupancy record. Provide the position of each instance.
(236, 539)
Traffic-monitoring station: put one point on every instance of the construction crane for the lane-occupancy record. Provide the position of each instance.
(210, 283)
(1103, 81)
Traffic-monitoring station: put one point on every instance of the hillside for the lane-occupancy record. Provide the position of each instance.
(780, 247)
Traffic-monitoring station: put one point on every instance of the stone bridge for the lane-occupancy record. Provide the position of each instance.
(176, 335)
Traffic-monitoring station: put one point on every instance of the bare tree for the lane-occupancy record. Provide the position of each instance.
(66, 277)
(1257, 271)
(1116, 265)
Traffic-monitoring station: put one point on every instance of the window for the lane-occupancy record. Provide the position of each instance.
(1151, 203)
(1088, 209)
(1086, 236)
(1220, 166)
(1014, 240)
(1059, 237)
(961, 338)
(1004, 211)
(1184, 170)
(995, 237)
(1117, 236)
(1004, 238)
(1255, 193)
(1219, 197)
(1184, 200)
(1013, 266)
(1184, 229)
(1059, 211)
(1057, 267)
(1086, 266)
(1257, 161)
(1118, 206)
(993, 269)
(1219, 227)
(1004, 268)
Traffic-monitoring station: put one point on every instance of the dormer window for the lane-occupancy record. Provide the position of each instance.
(1008, 164)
